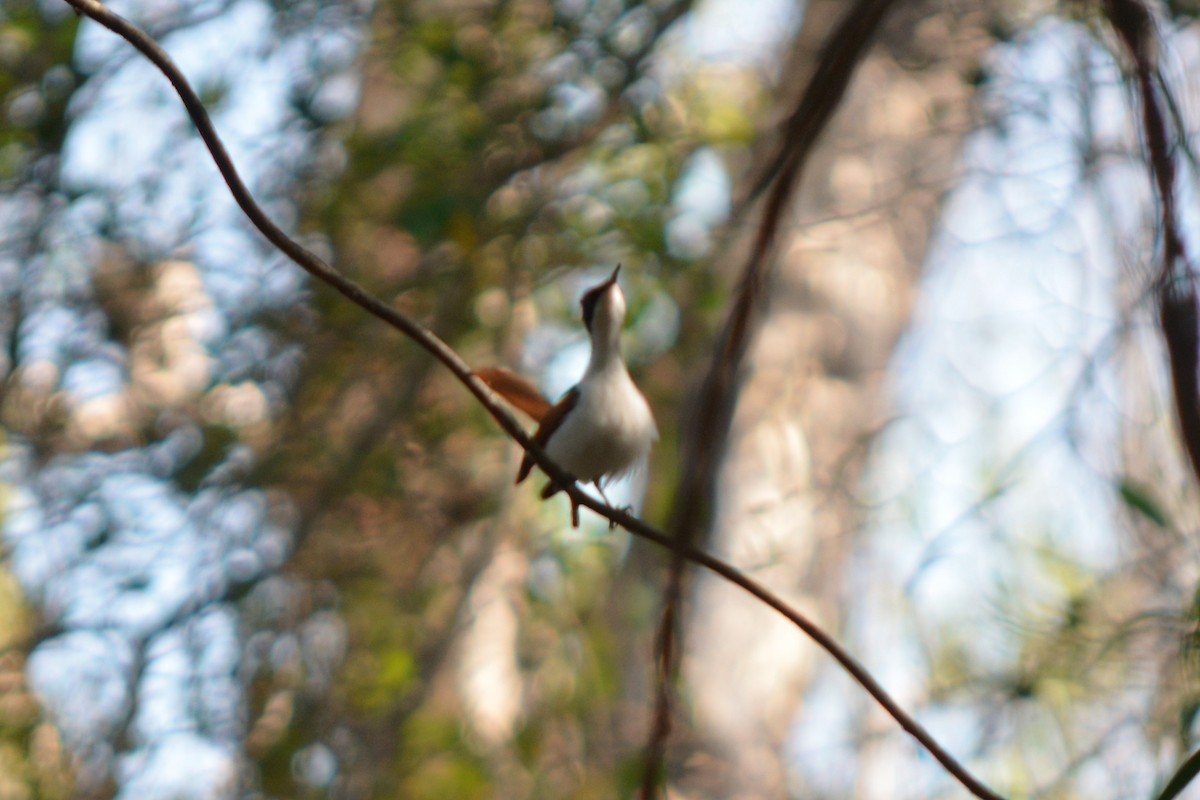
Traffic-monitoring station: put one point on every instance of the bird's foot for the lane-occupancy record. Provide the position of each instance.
(612, 523)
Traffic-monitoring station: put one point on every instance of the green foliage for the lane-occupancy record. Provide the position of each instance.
(33, 762)
(386, 672)
(437, 763)
(36, 41)
(217, 441)
(1140, 499)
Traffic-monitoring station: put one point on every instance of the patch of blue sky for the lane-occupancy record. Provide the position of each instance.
(82, 680)
(315, 766)
(133, 589)
(722, 31)
(705, 188)
(181, 765)
(45, 333)
(190, 679)
(140, 506)
(702, 201)
(93, 377)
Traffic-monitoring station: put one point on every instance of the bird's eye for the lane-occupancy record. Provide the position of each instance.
(589, 302)
(592, 297)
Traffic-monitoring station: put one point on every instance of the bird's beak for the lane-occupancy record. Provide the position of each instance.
(613, 279)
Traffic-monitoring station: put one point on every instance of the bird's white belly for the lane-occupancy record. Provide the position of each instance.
(607, 433)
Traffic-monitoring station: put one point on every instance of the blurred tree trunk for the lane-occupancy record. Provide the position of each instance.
(815, 395)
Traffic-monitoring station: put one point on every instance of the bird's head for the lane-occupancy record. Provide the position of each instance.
(604, 305)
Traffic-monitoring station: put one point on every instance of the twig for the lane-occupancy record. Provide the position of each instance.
(453, 362)
(1179, 304)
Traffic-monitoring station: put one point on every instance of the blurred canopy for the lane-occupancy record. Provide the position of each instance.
(257, 544)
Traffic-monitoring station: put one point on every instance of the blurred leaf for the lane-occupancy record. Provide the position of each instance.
(217, 441)
(1139, 499)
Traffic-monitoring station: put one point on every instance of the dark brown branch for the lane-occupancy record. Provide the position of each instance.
(1183, 776)
(453, 362)
(839, 58)
(1179, 302)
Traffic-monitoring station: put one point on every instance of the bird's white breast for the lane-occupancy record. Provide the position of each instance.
(608, 432)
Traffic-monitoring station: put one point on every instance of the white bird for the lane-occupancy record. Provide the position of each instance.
(602, 427)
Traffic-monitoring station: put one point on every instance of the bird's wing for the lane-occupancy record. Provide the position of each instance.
(519, 392)
(550, 423)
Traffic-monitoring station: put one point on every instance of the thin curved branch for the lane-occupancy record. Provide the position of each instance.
(316, 267)
(1178, 297)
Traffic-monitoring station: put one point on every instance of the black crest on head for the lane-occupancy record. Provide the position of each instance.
(592, 296)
